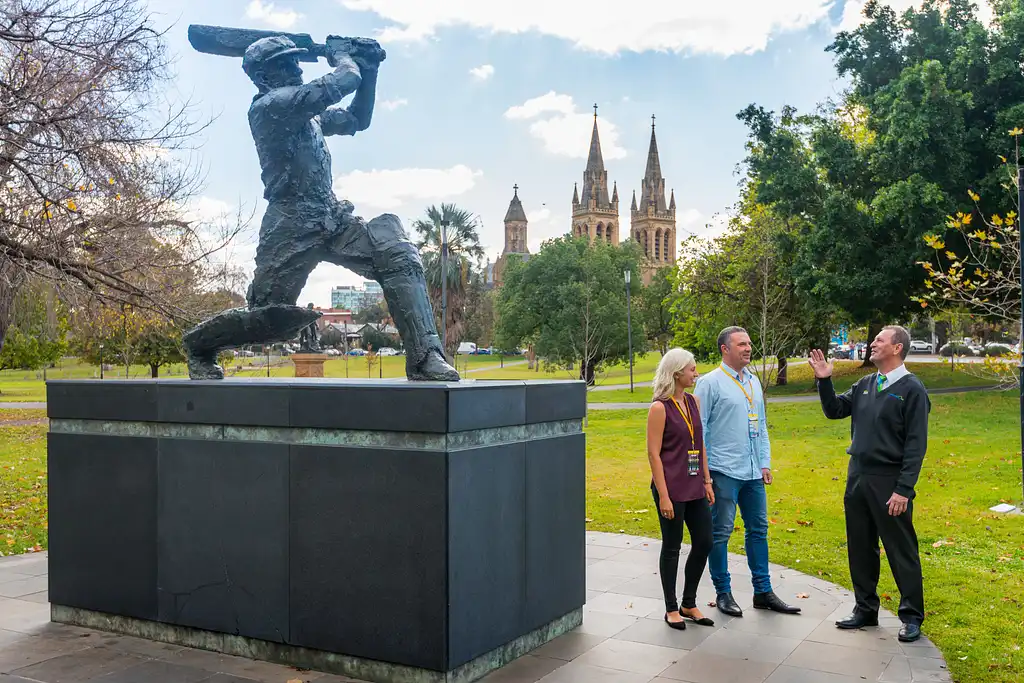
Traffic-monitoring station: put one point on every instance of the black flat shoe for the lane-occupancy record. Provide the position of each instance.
(909, 633)
(703, 621)
(678, 625)
(726, 605)
(771, 601)
(858, 620)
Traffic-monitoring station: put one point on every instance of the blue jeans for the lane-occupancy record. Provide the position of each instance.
(753, 503)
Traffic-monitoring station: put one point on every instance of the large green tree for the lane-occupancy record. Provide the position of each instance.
(569, 301)
(37, 334)
(932, 94)
(745, 277)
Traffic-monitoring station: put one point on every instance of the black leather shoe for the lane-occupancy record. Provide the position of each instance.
(909, 633)
(771, 601)
(858, 620)
(678, 625)
(726, 605)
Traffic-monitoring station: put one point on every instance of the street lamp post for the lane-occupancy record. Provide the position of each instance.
(1020, 208)
(101, 361)
(444, 286)
(629, 328)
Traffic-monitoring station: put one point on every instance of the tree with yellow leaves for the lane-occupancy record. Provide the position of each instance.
(976, 267)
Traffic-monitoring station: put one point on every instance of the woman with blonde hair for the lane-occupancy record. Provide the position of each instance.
(680, 482)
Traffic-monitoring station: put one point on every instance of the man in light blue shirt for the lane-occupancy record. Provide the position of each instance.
(732, 412)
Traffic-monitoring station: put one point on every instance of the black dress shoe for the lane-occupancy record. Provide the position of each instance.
(726, 605)
(858, 620)
(678, 625)
(909, 633)
(771, 601)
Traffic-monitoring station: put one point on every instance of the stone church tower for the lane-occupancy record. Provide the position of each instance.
(653, 224)
(595, 214)
(515, 235)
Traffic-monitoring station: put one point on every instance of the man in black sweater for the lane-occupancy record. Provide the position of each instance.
(889, 429)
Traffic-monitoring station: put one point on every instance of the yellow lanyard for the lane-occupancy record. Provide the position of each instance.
(686, 419)
(742, 388)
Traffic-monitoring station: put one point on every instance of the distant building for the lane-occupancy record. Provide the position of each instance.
(333, 316)
(355, 299)
(594, 213)
(652, 221)
(515, 237)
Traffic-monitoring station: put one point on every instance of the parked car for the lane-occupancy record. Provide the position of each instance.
(357, 352)
(919, 346)
(387, 351)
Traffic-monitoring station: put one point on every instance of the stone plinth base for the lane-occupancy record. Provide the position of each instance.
(309, 364)
(384, 530)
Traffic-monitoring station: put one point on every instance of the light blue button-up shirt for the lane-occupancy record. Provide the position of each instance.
(723, 413)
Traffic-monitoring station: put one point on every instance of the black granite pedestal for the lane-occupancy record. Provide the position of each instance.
(383, 530)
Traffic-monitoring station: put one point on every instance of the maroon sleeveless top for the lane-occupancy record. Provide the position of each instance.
(675, 447)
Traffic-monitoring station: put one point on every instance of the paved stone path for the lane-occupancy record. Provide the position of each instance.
(623, 638)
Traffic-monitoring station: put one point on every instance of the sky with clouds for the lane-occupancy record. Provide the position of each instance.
(478, 95)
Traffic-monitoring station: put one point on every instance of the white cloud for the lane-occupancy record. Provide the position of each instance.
(482, 73)
(725, 27)
(391, 105)
(563, 129)
(550, 102)
(545, 225)
(271, 16)
(391, 188)
(853, 11)
(539, 215)
(694, 222)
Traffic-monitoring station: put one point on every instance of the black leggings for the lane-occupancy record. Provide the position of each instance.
(697, 515)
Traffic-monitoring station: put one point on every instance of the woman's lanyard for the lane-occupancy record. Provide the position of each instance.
(686, 418)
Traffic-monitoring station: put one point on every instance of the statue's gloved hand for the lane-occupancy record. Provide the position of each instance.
(365, 52)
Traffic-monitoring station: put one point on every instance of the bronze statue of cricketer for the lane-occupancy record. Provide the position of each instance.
(305, 223)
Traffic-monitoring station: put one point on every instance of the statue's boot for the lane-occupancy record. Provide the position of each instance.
(400, 273)
(238, 327)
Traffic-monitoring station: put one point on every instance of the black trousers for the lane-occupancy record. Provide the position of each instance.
(867, 520)
(697, 516)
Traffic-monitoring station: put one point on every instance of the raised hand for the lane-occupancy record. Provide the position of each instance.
(821, 366)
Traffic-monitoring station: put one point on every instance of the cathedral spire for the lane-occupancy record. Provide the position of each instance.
(633, 207)
(595, 161)
(652, 190)
(653, 161)
(672, 203)
(575, 194)
(615, 193)
(515, 207)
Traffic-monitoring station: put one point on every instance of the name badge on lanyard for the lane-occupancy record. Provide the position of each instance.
(753, 426)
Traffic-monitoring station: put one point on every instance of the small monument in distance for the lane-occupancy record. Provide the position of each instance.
(309, 361)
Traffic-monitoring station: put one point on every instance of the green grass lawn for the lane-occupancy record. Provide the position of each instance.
(801, 380)
(973, 559)
(22, 481)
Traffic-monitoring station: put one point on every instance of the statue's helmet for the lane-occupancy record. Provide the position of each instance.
(265, 49)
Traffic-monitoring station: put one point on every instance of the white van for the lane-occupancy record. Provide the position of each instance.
(466, 348)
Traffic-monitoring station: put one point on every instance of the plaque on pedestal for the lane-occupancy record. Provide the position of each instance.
(309, 364)
(385, 530)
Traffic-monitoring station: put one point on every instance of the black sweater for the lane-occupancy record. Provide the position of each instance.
(889, 428)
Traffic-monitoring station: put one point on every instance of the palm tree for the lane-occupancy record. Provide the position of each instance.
(464, 253)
